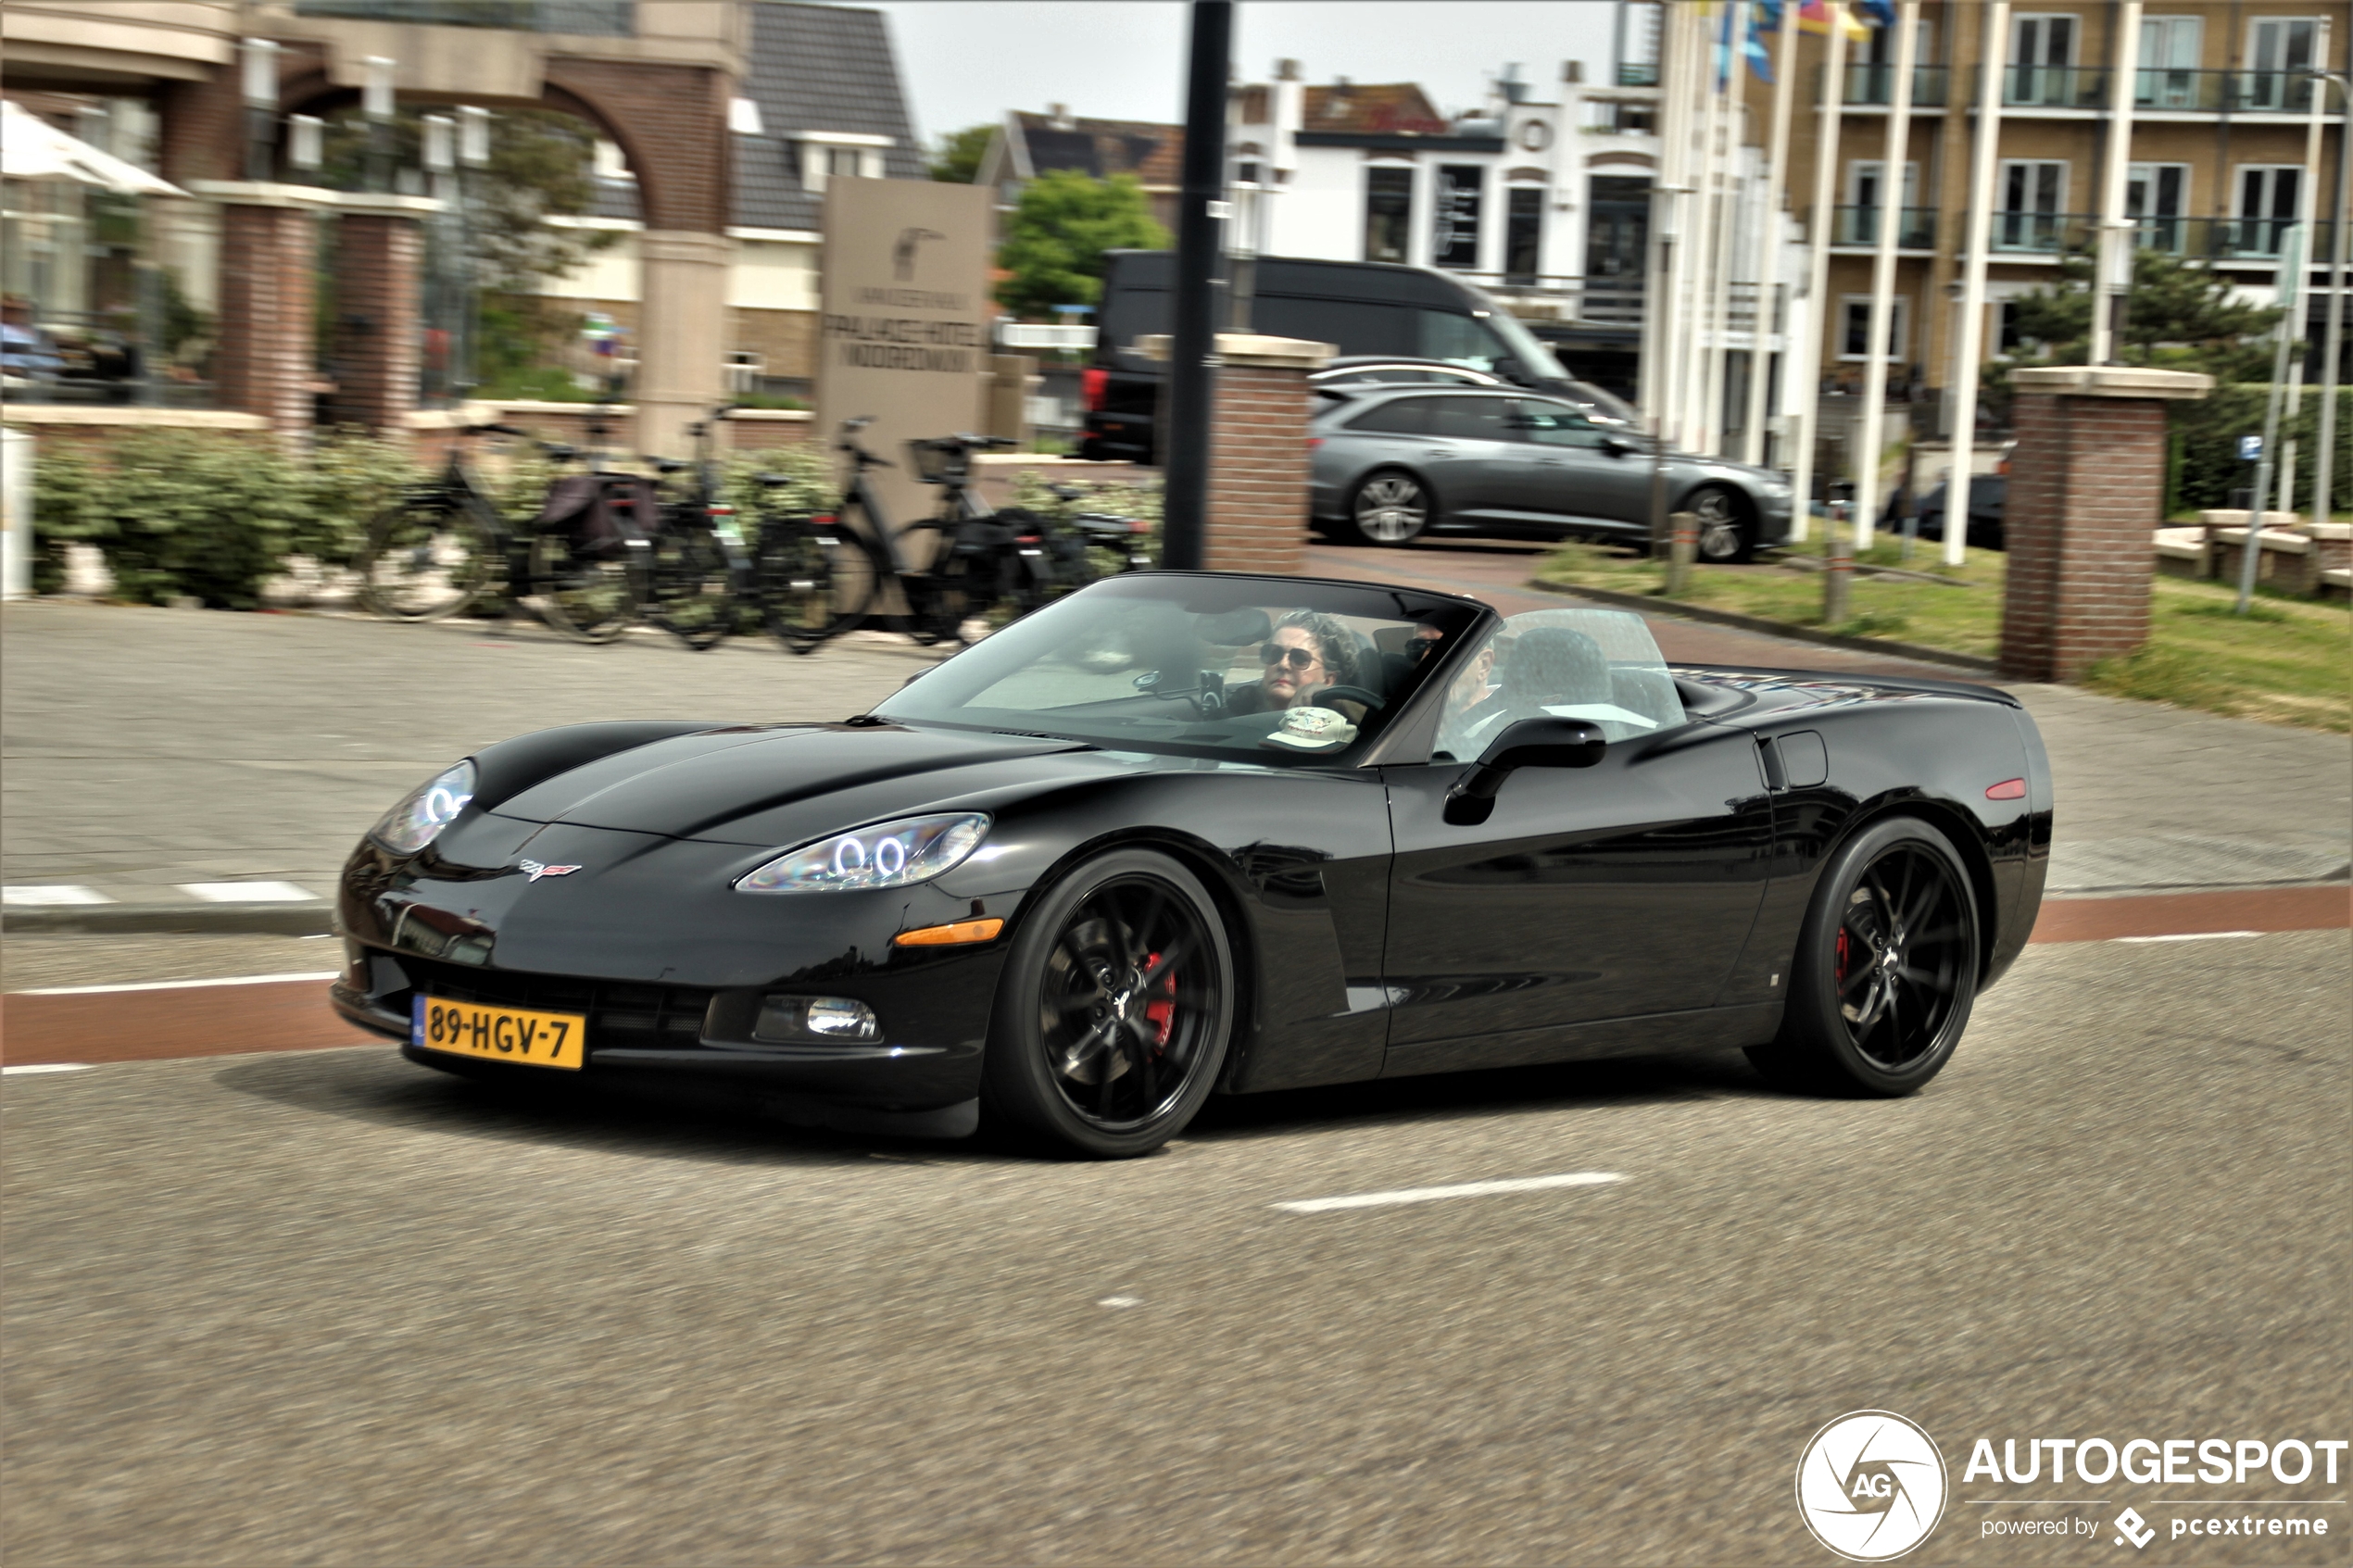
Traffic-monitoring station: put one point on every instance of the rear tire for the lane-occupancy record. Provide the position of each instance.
(1389, 507)
(587, 597)
(1885, 972)
(693, 594)
(794, 578)
(425, 559)
(1114, 1013)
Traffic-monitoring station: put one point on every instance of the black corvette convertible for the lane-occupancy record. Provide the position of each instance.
(1181, 834)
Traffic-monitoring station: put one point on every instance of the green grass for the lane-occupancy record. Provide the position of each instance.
(2287, 661)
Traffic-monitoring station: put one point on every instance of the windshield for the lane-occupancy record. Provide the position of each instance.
(1261, 669)
(1524, 344)
(1599, 665)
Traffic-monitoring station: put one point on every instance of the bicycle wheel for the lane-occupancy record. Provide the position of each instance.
(588, 597)
(427, 558)
(691, 591)
(943, 602)
(793, 581)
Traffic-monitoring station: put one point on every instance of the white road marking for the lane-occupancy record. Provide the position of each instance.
(2188, 936)
(1460, 1189)
(176, 985)
(27, 897)
(48, 1066)
(1121, 1301)
(249, 893)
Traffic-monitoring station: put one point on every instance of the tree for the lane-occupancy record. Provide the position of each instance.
(2180, 317)
(1055, 239)
(960, 152)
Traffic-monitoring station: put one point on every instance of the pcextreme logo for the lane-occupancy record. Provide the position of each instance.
(1870, 1486)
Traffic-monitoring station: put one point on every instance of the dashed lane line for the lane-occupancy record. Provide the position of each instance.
(1459, 1189)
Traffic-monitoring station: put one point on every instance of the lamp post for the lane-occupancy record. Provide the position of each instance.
(473, 156)
(2333, 350)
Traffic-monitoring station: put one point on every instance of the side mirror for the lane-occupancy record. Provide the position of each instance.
(1530, 743)
(1618, 445)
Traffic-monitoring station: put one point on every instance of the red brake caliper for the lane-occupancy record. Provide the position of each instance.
(1842, 956)
(1161, 1011)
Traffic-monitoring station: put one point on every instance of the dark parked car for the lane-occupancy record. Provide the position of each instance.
(1391, 465)
(1366, 308)
(1987, 496)
(1099, 866)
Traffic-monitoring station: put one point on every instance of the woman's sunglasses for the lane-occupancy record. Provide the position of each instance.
(1301, 659)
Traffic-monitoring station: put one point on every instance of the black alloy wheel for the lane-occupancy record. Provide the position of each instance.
(1724, 534)
(1389, 507)
(1113, 1015)
(1885, 970)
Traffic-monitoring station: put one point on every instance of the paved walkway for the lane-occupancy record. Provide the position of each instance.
(213, 762)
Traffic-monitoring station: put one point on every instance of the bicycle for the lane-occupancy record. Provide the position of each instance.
(860, 562)
(699, 573)
(444, 548)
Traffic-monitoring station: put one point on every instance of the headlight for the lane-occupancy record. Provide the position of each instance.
(425, 810)
(896, 854)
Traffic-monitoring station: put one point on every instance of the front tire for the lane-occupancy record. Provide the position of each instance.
(1389, 507)
(1885, 972)
(1726, 537)
(1118, 1004)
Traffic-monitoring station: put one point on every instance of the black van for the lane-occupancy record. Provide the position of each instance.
(1365, 307)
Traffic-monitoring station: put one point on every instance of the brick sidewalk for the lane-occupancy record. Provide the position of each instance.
(148, 752)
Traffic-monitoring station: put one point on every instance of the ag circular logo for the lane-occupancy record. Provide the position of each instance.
(1870, 1486)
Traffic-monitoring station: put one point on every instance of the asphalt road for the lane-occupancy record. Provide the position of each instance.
(328, 1307)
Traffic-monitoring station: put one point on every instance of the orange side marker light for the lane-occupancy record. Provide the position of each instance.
(954, 934)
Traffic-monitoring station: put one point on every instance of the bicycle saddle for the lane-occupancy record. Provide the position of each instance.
(666, 466)
(1064, 492)
(560, 451)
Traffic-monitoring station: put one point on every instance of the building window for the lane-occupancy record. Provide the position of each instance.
(1524, 235)
(2033, 199)
(1855, 326)
(2170, 47)
(821, 160)
(1454, 230)
(2267, 202)
(1389, 212)
(2156, 195)
(2041, 67)
(2278, 51)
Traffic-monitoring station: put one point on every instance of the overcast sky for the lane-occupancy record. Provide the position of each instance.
(965, 61)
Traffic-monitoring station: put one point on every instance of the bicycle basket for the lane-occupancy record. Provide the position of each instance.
(941, 461)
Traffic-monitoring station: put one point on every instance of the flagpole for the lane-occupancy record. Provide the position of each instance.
(2307, 207)
(1680, 340)
(1970, 354)
(1891, 220)
(1696, 418)
(2113, 275)
(1768, 274)
(1820, 222)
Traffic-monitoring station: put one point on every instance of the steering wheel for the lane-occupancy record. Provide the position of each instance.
(1349, 694)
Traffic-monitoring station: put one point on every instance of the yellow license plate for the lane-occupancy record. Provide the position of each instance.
(531, 1039)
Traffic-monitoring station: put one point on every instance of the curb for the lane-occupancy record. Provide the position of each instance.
(1648, 604)
(205, 920)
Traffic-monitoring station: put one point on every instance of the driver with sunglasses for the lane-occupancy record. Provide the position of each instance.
(1307, 653)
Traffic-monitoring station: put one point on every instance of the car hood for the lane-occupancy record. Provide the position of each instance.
(775, 784)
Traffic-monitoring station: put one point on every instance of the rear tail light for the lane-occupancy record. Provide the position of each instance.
(1091, 383)
(722, 511)
(824, 520)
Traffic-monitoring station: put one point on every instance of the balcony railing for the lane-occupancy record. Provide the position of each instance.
(616, 19)
(1915, 230)
(2216, 239)
(1638, 73)
(1874, 84)
(2204, 91)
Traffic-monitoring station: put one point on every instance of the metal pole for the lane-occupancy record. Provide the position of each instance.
(1807, 360)
(1715, 215)
(2308, 203)
(1192, 338)
(1690, 231)
(1768, 264)
(2251, 549)
(1891, 220)
(2114, 272)
(1970, 354)
(2333, 350)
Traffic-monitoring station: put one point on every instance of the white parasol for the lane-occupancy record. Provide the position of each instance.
(30, 148)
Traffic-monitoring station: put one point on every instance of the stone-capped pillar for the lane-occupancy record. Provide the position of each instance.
(2086, 495)
(263, 354)
(378, 326)
(681, 347)
(1256, 516)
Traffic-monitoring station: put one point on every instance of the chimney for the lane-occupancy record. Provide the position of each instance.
(1287, 70)
(1059, 115)
(1573, 71)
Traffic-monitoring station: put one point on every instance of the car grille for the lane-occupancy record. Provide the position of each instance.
(621, 1014)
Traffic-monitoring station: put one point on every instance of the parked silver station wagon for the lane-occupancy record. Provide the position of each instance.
(1397, 462)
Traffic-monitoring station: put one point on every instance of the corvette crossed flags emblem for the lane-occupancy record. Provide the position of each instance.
(534, 870)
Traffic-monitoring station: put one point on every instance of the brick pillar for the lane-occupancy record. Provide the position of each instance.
(1258, 455)
(262, 363)
(2087, 493)
(379, 253)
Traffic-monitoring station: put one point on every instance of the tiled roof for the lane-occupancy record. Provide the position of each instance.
(1153, 153)
(816, 68)
(1375, 107)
